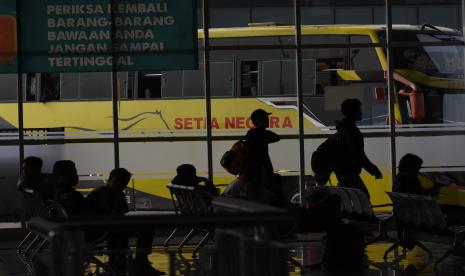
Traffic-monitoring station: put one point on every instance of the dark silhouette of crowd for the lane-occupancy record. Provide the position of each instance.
(58, 194)
(255, 180)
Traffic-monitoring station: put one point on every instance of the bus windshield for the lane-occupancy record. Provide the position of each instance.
(444, 61)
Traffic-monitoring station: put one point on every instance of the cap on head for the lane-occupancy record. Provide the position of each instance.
(259, 115)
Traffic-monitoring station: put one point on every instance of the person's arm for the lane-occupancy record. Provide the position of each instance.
(209, 185)
(271, 137)
(358, 148)
(370, 167)
(122, 205)
(21, 184)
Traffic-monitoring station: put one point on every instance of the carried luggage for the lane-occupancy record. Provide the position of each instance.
(324, 157)
(233, 160)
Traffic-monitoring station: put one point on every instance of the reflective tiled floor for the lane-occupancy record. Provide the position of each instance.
(307, 252)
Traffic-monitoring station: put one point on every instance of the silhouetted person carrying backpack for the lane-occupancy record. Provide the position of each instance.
(259, 173)
(352, 158)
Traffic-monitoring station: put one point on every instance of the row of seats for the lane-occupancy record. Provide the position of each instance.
(410, 212)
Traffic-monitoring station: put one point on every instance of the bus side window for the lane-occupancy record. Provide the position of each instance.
(364, 59)
(171, 84)
(278, 77)
(32, 84)
(96, 85)
(249, 78)
(193, 83)
(69, 86)
(9, 85)
(222, 79)
(50, 87)
(149, 86)
(190, 83)
(130, 85)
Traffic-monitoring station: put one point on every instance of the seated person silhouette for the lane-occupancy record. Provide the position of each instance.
(37, 188)
(33, 179)
(71, 200)
(186, 175)
(111, 200)
(407, 180)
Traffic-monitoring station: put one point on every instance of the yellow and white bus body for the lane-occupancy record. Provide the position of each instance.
(162, 114)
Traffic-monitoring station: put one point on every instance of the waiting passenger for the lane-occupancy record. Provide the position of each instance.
(111, 200)
(352, 158)
(186, 175)
(33, 179)
(241, 187)
(237, 188)
(407, 180)
(66, 179)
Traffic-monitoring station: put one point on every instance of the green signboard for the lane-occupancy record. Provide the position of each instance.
(103, 35)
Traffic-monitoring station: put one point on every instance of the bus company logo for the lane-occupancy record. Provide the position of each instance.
(229, 122)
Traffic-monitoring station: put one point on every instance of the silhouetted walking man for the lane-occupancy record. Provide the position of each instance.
(352, 157)
(259, 171)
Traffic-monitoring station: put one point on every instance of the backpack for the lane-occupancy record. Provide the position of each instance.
(324, 157)
(234, 159)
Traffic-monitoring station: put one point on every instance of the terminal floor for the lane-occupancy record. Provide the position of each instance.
(309, 252)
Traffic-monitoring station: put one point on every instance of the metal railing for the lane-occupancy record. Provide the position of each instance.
(69, 249)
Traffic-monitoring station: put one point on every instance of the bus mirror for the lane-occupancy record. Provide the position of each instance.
(416, 98)
(379, 94)
(417, 102)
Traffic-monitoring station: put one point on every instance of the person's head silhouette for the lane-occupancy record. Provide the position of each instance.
(32, 166)
(66, 173)
(352, 109)
(186, 174)
(260, 118)
(410, 163)
(119, 179)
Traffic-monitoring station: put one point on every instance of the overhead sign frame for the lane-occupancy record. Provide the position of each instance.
(103, 36)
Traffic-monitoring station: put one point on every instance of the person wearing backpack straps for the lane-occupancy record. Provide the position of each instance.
(351, 157)
(259, 172)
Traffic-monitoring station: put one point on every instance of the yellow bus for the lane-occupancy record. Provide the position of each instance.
(162, 118)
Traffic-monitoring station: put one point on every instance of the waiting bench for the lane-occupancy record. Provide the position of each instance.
(355, 205)
(417, 213)
(190, 200)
